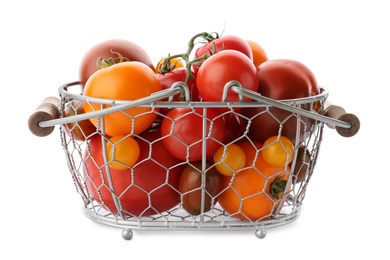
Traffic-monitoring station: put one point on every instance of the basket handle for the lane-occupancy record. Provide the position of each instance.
(47, 115)
(339, 113)
(346, 124)
(49, 109)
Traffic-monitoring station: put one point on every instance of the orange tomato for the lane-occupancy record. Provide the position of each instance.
(229, 159)
(250, 195)
(123, 81)
(164, 67)
(278, 151)
(258, 53)
(122, 152)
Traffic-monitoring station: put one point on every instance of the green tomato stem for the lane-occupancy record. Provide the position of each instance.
(102, 63)
(186, 56)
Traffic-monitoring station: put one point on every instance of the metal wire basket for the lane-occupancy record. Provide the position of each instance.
(106, 203)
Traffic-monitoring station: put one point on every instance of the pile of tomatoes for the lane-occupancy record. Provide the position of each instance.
(146, 160)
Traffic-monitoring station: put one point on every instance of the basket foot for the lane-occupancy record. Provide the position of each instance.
(127, 233)
(261, 233)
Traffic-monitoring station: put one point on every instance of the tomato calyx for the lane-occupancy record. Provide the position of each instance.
(167, 66)
(277, 187)
(105, 63)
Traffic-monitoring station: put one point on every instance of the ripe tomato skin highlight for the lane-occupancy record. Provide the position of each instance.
(182, 128)
(104, 50)
(247, 195)
(221, 68)
(190, 187)
(132, 189)
(123, 81)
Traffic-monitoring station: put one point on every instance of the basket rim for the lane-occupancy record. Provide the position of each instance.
(153, 101)
(63, 91)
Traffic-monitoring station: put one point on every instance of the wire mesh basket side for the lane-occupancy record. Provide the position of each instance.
(137, 204)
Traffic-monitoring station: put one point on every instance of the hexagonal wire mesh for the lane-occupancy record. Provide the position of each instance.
(147, 194)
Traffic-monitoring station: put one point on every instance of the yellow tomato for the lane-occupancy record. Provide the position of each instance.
(122, 152)
(229, 159)
(278, 151)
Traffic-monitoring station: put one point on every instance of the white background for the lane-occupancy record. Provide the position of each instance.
(345, 44)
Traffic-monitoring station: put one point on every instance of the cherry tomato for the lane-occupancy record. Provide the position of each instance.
(109, 49)
(182, 129)
(229, 159)
(123, 81)
(225, 42)
(258, 53)
(278, 151)
(256, 192)
(190, 186)
(122, 152)
(150, 187)
(221, 68)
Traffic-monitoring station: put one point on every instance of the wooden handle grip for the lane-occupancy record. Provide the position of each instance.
(339, 113)
(47, 110)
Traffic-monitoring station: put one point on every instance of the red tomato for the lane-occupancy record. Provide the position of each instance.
(235, 127)
(108, 49)
(286, 79)
(221, 68)
(150, 189)
(182, 130)
(281, 79)
(191, 183)
(175, 75)
(226, 42)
